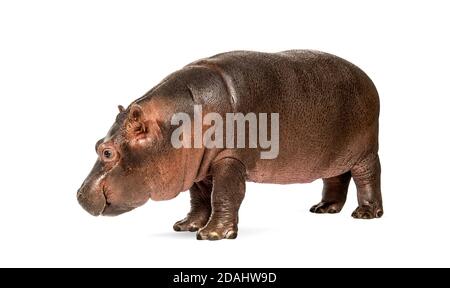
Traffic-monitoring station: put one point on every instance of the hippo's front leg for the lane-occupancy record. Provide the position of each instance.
(227, 195)
(200, 211)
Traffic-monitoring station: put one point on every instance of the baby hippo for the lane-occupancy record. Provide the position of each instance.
(206, 129)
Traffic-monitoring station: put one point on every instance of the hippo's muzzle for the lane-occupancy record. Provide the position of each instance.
(95, 198)
(92, 200)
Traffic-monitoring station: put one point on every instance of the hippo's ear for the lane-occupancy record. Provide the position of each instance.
(136, 113)
(135, 122)
(139, 128)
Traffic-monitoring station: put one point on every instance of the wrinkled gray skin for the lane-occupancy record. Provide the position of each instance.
(328, 111)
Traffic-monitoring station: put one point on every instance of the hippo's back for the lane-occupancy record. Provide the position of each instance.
(328, 110)
(294, 74)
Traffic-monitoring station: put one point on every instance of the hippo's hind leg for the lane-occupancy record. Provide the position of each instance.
(334, 194)
(200, 207)
(228, 193)
(366, 175)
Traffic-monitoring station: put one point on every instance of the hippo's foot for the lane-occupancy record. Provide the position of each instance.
(216, 230)
(191, 223)
(200, 211)
(327, 207)
(334, 194)
(366, 175)
(227, 195)
(368, 212)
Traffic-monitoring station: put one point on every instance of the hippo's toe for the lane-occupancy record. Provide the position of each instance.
(216, 233)
(367, 212)
(327, 207)
(189, 224)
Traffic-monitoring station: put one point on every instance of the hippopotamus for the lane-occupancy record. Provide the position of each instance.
(328, 113)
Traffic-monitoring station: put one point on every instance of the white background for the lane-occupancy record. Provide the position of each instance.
(66, 65)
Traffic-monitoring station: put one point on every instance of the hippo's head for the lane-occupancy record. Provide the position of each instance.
(135, 163)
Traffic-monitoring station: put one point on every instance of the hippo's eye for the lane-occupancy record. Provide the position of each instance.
(108, 154)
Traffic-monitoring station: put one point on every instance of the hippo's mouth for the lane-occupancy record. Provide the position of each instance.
(112, 210)
(105, 194)
(115, 211)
